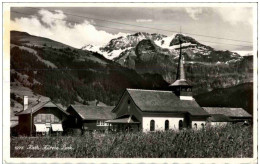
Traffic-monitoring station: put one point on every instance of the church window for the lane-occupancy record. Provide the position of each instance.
(166, 125)
(202, 125)
(152, 125)
(195, 126)
(180, 124)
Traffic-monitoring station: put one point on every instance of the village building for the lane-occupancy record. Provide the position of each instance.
(233, 115)
(90, 117)
(154, 110)
(40, 118)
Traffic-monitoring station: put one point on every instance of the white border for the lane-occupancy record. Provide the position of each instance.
(6, 86)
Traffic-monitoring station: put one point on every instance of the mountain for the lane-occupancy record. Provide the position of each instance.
(206, 68)
(236, 96)
(68, 75)
(118, 45)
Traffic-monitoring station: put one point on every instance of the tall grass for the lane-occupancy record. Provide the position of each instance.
(230, 141)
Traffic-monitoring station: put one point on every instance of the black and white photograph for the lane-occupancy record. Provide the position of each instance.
(130, 80)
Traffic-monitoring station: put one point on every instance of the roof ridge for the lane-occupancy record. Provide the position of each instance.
(148, 90)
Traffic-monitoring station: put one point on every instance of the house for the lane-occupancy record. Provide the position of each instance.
(90, 117)
(43, 117)
(153, 110)
(234, 114)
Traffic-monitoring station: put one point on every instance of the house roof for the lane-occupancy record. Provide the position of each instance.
(88, 112)
(127, 119)
(35, 107)
(219, 118)
(164, 101)
(229, 112)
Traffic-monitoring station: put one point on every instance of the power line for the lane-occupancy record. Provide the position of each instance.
(111, 21)
(126, 29)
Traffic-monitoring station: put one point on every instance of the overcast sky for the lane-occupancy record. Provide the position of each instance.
(55, 23)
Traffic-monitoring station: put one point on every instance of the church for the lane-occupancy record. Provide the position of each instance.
(153, 110)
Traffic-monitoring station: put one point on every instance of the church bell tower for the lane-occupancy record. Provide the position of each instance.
(181, 87)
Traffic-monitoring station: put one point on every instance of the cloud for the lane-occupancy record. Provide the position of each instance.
(193, 12)
(144, 20)
(236, 15)
(58, 29)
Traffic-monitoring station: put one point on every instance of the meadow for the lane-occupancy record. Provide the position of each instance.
(226, 142)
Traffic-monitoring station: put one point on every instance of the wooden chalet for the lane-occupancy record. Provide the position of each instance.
(90, 117)
(42, 117)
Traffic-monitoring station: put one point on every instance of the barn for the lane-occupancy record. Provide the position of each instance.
(40, 118)
(90, 117)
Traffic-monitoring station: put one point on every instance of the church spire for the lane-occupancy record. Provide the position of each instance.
(180, 71)
(181, 87)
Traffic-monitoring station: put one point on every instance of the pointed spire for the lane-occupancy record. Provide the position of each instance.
(180, 71)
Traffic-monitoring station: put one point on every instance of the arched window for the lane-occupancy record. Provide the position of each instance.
(180, 124)
(166, 125)
(152, 125)
(195, 126)
(202, 125)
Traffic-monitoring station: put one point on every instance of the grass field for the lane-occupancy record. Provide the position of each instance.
(230, 141)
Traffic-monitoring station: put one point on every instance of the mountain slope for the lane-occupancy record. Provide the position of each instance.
(67, 75)
(237, 96)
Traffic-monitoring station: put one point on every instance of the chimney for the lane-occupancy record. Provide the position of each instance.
(25, 102)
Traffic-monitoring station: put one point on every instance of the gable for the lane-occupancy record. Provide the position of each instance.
(39, 106)
(127, 106)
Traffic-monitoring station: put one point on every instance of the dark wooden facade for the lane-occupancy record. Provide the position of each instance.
(79, 118)
(42, 115)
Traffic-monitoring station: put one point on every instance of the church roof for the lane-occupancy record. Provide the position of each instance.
(229, 112)
(89, 112)
(164, 101)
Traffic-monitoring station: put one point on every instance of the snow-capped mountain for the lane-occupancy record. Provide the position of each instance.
(118, 45)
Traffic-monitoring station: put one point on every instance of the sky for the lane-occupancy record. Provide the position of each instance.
(79, 26)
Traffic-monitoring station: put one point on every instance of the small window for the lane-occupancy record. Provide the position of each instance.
(52, 118)
(38, 117)
(166, 126)
(180, 125)
(202, 125)
(48, 118)
(152, 125)
(129, 101)
(56, 119)
(195, 126)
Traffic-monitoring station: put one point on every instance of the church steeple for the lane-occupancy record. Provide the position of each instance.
(181, 87)
(180, 71)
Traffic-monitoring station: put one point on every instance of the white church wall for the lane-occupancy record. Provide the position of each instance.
(160, 123)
